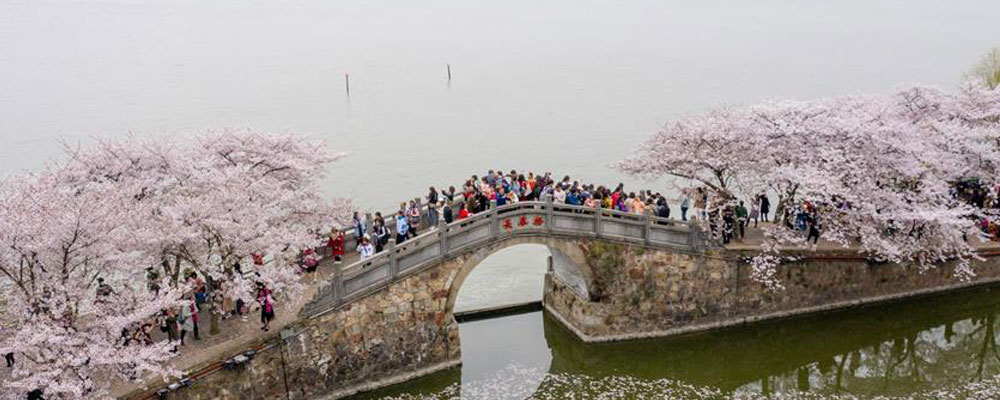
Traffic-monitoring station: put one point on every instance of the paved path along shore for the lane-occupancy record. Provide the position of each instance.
(235, 333)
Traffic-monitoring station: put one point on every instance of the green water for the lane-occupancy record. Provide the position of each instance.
(901, 349)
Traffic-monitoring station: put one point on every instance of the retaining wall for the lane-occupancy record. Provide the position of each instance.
(659, 293)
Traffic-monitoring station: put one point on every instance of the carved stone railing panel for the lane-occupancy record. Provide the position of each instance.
(366, 278)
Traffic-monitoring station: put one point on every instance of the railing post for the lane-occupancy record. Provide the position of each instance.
(597, 221)
(648, 228)
(338, 284)
(393, 261)
(549, 212)
(369, 224)
(494, 221)
(443, 238)
(694, 237)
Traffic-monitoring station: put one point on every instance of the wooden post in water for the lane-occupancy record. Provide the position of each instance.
(449, 72)
(347, 83)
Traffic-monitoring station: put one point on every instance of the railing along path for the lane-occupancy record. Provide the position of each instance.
(526, 218)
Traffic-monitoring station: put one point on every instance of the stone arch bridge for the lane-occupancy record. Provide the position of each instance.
(467, 242)
(396, 309)
(612, 276)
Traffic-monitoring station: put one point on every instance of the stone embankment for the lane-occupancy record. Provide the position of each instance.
(611, 277)
(645, 293)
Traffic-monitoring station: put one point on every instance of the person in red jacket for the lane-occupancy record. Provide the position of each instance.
(336, 244)
(266, 306)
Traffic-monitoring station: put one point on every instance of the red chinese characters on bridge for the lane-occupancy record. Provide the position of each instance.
(522, 222)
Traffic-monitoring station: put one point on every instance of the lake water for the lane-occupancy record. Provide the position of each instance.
(561, 86)
(904, 349)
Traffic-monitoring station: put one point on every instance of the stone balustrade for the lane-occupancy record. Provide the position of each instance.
(528, 218)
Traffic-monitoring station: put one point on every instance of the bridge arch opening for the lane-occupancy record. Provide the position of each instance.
(495, 339)
(510, 276)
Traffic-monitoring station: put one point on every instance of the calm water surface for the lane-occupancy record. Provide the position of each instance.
(563, 86)
(896, 350)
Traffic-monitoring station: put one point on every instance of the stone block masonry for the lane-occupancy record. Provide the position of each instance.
(602, 288)
(405, 330)
(643, 293)
(395, 334)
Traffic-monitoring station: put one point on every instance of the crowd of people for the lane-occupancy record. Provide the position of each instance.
(984, 197)
(475, 195)
(181, 324)
(728, 219)
(478, 194)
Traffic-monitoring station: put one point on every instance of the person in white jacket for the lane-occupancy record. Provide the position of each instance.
(189, 313)
(366, 248)
(558, 195)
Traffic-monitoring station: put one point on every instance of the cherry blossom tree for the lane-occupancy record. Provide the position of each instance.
(216, 199)
(78, 238)
(57, 241)
(880, 170)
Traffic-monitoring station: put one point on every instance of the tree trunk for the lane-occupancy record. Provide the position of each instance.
(779, 210)
(213, 317)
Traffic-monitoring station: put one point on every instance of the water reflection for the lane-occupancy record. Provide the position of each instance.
(898, 349)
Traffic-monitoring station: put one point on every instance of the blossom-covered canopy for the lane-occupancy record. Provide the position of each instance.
(882, 169)
(110, 212)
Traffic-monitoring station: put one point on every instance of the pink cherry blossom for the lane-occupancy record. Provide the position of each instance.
(113, 210)
(879, 168)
